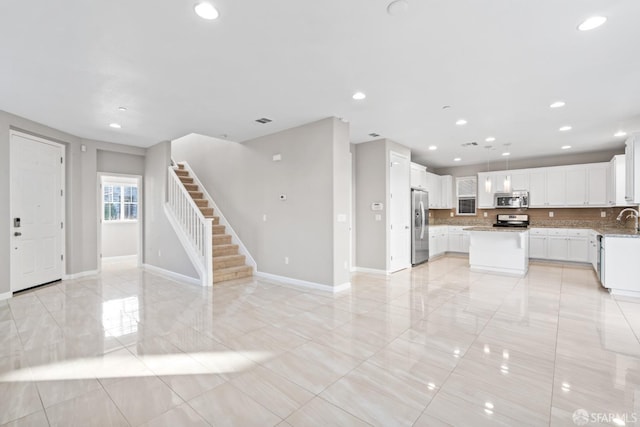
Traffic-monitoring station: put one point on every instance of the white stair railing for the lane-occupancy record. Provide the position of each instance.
(197, 236)
(242, 249)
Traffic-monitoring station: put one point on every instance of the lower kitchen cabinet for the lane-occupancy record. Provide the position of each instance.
(438, 240)
(458, 240)
(559, 244)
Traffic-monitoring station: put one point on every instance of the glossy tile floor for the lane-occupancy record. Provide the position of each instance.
(436, 345)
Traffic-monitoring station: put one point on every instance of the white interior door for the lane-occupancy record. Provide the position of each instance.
(400, 212)
(37, 207)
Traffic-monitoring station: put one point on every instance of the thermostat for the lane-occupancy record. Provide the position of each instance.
(377, 206)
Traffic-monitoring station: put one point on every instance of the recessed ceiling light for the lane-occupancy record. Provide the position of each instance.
(592, 23)
(115, 125)
(620, 133)
(557, 104)
(122, 108)
(565, 147)
(506, 154)
(433, 147)
(397, 7)
(457, 159)
(359, 96)
(565, 128)
(206, 11)
(461, 122)
(490, 139)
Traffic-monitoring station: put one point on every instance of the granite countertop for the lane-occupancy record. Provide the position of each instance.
(618, 232)
(498, 229)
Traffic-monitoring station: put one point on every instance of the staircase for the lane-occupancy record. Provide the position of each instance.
(228, 264)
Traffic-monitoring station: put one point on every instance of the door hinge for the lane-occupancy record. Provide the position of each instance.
(61, 193)
(391, 257)
(61, 225)
(61, 161)
(61, 257)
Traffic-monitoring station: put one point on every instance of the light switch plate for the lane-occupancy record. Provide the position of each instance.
(451, 214)
(550, 214)
(603, 214)
(486, 214)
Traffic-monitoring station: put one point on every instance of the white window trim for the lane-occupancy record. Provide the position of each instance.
(122, 203)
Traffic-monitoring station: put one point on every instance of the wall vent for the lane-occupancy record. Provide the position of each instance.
(264, 120)
(374, 135)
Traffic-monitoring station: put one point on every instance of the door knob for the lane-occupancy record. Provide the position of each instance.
(17, 233)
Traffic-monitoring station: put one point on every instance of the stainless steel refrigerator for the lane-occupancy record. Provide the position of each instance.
(420, 234)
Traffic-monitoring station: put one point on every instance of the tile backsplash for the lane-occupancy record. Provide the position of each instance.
(562, 217)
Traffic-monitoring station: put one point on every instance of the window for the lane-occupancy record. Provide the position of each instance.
(120, 202)
(466, 195)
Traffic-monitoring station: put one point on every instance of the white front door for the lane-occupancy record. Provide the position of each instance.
(37, 206)
(400, 212)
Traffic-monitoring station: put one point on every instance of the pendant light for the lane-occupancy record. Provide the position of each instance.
(487, 180)
(507, 177)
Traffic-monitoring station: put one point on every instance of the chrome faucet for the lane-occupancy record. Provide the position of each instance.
(634, 214)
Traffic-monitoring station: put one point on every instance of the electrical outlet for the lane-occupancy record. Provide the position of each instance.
(159, 253)
(264, 217)
(378, 217)
(286, 260)
(603, 214)
(485, 214)
(550, 214)
(451, 214)
(346, 265)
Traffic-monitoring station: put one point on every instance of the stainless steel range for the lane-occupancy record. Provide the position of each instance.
(519, 221)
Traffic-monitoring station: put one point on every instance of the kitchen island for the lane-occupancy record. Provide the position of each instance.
(499, 250)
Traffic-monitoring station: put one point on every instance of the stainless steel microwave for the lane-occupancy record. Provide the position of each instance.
(515, 199)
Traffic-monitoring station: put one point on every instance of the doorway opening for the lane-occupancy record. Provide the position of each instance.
(119, 220)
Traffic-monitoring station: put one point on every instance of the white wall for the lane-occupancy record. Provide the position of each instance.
(313, 174)
(81, 183)
(162, 248)
(119, 239)
(372, 185)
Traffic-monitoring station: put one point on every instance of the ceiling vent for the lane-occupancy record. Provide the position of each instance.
(374, 135)
(470, 144)
(264, 120)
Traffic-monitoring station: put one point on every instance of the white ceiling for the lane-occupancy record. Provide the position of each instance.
(498, 63)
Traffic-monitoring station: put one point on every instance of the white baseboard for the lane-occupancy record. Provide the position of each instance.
(304, 283)
(370, 271)
(624, 293)
(6, 295)
(112, 259)
(172, 275)
(80, 275)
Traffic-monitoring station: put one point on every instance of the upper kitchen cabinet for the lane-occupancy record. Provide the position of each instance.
(434, 187)
(418, 176)
(446, 198)
(569, 186)
(617, 181)
(632, 166)
(440, 188)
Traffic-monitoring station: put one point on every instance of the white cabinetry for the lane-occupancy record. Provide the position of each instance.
(617, 181)
(621, 267)
(538, 243)
(418, 176)
(632, 172)
(434, 187)
(569, 186)
(458, 239)
(446, 197)
(538, 188)
(440, 188)
(559, 244)
(556, 186)
(438, 240)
